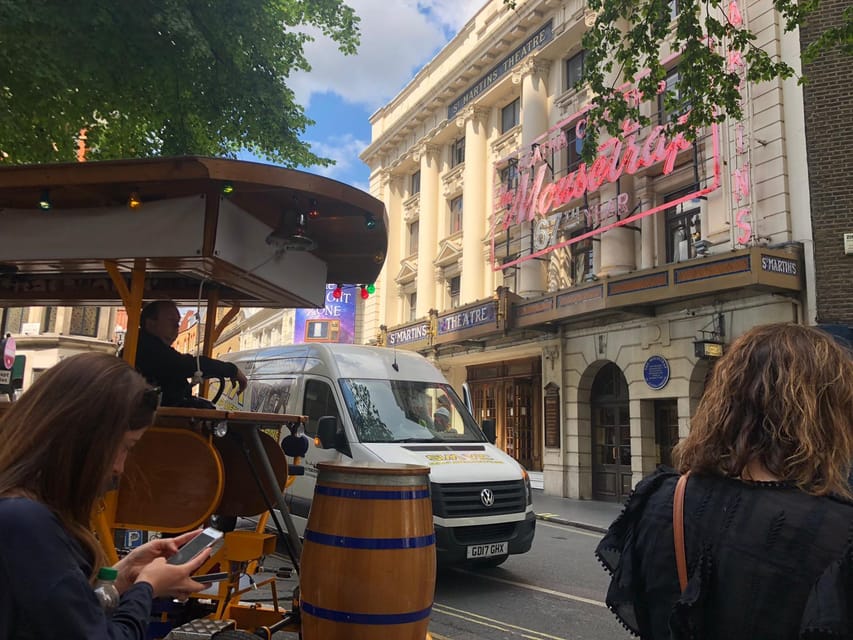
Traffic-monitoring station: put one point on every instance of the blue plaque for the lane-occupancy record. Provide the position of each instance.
(656, 372)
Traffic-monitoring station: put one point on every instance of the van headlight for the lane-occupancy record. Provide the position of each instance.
(527, 490)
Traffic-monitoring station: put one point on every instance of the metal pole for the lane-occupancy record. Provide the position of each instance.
(258, 448)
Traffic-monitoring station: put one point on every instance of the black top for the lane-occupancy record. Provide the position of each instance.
(169, 369)
(765, 561)
(44, 583)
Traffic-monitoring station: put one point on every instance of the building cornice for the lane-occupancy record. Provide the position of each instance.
(508, 28)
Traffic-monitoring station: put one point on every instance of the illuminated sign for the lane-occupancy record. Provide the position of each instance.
(536, 197)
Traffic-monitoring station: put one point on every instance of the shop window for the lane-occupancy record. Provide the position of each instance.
(510, 115)
(453, 286)
(413, 306)
(574, 69)
(457, 152)
(415, 185)
(456, 215)
(84, 321)
(509, 176)
(414, 231)
(683, 226)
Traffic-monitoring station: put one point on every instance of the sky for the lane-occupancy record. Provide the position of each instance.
(340, 93)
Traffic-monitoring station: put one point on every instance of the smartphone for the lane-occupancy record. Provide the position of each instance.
(195, 546)
(211, 577)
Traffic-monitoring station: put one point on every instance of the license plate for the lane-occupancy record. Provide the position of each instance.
(487, 550)
(5, 377)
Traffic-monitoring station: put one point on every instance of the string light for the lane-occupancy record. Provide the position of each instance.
(364, 294)
(370, 221)
(371, 289)
(134, 201)
(313, 212)
(227, 189)
(337, 293)
(45, 203)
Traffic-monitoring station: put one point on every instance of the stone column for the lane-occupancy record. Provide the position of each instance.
(391, 186)
(427, 230)
(476, 120)
(533, 76)
(645, 197)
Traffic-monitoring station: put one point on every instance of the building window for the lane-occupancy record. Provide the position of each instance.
(574, 69)
(457, 152)
(14, 317)
(581, 259)
(453, 288)
(456, 215)
(509, 176)
(413, 306)
(683, 227)
(574, 146)
(414, 230)
(415, 186)
(674, 9)
(48, 320)
(509, 115)
(665, 116)
(84, 321)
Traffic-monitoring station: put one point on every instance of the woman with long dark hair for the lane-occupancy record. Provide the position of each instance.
(767, 512)
(61, 443)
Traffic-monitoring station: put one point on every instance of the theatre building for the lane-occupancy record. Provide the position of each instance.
(584, 303)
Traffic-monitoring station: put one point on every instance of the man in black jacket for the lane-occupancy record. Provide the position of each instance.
(169, 369)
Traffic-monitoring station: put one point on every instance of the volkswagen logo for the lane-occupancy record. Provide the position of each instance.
(487, 497)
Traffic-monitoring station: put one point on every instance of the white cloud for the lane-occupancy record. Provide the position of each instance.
(344, 151)
(397, 38)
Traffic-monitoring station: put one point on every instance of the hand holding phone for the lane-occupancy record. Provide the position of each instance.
(195, 546)
(211, 577)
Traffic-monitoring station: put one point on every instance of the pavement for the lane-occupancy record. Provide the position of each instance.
(593, 515)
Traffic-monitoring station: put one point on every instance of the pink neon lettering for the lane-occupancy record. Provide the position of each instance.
(741, 181)
(735, 61)
(615, 157)
(734, 14)
(744, 226)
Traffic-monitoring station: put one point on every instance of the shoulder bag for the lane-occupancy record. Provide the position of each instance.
(678, 530)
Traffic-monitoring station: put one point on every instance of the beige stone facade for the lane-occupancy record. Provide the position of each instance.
(582, 305)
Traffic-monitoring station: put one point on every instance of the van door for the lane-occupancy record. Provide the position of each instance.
(318, 400)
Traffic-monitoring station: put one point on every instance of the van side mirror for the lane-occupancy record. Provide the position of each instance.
(488, 428)
(331, 435)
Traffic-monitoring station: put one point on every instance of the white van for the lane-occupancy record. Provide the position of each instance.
(377, 404)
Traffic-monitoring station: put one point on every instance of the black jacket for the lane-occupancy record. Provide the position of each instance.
(44, 587)
(169, 369)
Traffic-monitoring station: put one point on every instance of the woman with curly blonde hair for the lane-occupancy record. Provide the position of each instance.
(768, 516)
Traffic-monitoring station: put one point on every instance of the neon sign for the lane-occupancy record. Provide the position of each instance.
(534, 197)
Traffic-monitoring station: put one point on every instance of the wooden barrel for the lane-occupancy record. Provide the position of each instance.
(368, 561)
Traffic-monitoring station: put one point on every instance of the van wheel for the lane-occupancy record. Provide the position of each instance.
(488, 563)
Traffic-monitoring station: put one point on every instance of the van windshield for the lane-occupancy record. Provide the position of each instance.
(408, 411)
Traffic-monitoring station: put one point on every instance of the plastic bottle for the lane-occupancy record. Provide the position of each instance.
(105, 589)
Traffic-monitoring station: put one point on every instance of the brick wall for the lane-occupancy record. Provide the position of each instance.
(829, 141)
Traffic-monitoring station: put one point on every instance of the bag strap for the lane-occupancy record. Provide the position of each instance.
(678, 530)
